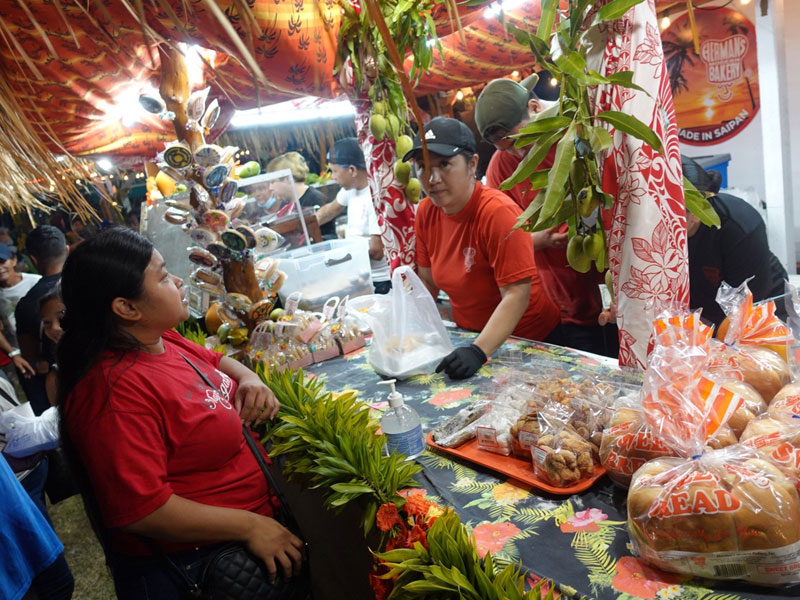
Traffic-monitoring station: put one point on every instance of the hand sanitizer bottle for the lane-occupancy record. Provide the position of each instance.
(401, 426)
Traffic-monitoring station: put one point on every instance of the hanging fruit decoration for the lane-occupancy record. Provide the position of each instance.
(374, 38)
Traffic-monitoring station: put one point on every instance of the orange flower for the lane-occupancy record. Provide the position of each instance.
(417, 534)
(380, 587)
(387, 516)
(637, 579)
(416, 506)
(491, 537)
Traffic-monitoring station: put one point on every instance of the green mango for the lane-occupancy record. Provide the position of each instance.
(609, 278)
(403, 146)
(392, 126)
(413, 190)
(377, 126)
(576, 257)
(402, 172)
(592, 246)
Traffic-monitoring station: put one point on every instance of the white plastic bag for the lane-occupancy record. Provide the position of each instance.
(28, 435)
(409, 337)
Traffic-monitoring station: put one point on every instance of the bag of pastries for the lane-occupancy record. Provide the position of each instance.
(561, 457)
(755, 341)
(786, 400)
(721, 514)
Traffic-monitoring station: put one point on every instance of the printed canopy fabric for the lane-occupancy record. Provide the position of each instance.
(83, 94)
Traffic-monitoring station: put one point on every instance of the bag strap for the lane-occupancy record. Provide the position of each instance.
(6, 396)
(286, 512)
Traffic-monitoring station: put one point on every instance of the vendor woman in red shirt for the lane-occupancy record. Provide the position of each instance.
(165, 462)
(467, 246)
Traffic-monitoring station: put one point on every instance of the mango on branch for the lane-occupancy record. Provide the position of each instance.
(402, 172)
(377, 126)
(248, 169)
(403, 146)
(576, 257)
(392, 126)
(413, 190)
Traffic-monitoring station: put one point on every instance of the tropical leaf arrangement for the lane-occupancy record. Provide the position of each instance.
(449, 567)
(191, 330)
(330, 443)
(571, 190)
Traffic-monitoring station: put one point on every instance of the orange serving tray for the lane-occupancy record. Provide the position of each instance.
(516, 468)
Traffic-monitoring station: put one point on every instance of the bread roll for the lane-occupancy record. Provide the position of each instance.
(776, 438)
(722, 438)
(627, 444)
(764, 370)
(787, 400)
(752, 406)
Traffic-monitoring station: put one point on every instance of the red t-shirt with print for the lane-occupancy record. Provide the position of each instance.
(475, 252)
(575, 293)
(147, 426)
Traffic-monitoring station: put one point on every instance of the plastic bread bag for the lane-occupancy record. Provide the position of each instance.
(727, 514)
(560, 456)
(409, 337)
(628, 442)
(754, 341)
(776, 437)
(346, 328)
(786, 400)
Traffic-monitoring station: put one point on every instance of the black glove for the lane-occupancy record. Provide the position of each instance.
(463, 362)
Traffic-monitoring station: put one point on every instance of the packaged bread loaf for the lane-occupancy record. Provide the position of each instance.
(755, 341)
(752, 406)
(728, 514)
(786, 400)
(720, 514)
(776, 437)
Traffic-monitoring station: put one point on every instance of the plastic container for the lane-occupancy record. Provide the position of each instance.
(319, 271)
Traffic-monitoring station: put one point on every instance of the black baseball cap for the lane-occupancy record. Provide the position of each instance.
(346, 152)
(445, 137)
(5, 252)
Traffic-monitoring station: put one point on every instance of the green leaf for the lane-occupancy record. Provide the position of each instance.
(699, 206)
(547, 19)
(614, 10)
(600, 140)
(352, 488)
(559, 173)
(632, 126)
(543, 125)
(625, 79)
(532, 160)
(572, 63)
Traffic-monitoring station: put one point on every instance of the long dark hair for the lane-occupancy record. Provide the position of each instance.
(110, 265)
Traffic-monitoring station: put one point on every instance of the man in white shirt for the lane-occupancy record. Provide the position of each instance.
(13, 287)
(349, 170)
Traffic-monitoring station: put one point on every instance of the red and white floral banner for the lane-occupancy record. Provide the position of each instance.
(647, 224)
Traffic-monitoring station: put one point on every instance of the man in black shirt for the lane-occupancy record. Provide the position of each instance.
(48, 250)
(734, 252)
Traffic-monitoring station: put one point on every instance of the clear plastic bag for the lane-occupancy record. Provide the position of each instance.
(560, 456)
(409, 337)
(728, 514)
(26, 435)
(776, 436)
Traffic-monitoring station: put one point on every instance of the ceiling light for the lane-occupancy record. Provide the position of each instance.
(286, 112)
(665, 22)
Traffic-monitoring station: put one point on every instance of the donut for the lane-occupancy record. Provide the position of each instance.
(260, 310)
(248, 234)
(178, 156)
(177, 216)
(202, 257)
(203, 236)
(234, 240)
(208, 155)
(221, 251)
(217, 220)
(215, 176)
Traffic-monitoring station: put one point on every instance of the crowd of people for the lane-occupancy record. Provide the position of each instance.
(162, 500)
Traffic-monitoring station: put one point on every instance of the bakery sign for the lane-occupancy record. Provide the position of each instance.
(716, 91)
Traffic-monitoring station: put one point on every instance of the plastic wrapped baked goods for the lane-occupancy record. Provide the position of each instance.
(728, 514)
(560, 456)
(493, 429)
(456, 430)
(752, 406)
(786, 400)
(776, 436)
(628, 443)
(755, 341)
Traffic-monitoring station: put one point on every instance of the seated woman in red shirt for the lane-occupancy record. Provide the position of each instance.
(468, 247)
(161, 445)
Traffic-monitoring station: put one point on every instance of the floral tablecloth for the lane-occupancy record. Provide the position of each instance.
(580, 541)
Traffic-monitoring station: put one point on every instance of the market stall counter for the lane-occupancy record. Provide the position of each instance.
(579, 541)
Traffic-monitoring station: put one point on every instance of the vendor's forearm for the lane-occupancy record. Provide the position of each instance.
(234, 369)
(505, 318)
(180, 520)
(328, 212)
